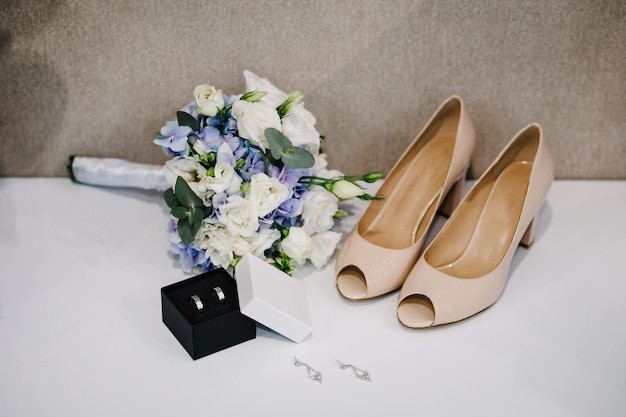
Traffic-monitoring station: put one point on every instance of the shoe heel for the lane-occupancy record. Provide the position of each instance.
(452, 200)
(529, 235)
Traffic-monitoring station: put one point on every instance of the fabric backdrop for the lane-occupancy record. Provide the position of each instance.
(98, 78)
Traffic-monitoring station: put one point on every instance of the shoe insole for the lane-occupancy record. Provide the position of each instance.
(494, 213)
(410, 205)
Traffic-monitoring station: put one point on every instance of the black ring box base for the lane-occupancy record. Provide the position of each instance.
(218, 326)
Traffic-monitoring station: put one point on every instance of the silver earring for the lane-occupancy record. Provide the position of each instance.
(312, 373)
(360, 373)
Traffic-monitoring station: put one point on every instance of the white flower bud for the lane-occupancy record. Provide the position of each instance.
(345, 190)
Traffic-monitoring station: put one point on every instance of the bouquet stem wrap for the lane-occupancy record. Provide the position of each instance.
(113, 172)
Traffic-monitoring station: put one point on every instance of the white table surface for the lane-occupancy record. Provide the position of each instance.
(81, 332)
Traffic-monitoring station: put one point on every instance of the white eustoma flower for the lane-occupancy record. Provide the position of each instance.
(267, 193)
(275, 97)
(189, 169)
(225, 154)
(241, 245)
(201, 241)
(299, 126)
(328, 173)
(320, 163)
(215, 240)
(319, 207)
(239, 216)
(298, 244)
(262, 241)
(324, 245)
(209, 100)
(200, 147)
(253, 119)
(224, 179)
(183, 166)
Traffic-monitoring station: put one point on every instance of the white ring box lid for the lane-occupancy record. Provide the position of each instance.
(272, 298)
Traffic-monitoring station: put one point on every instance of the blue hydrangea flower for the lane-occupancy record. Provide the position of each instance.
(190, 258)
(236, 144)
(175, 141)
(288, 213)
(217, 200)
(253, 165)
(211, 136)
(290, 176)
(193, 107)
(300, 190)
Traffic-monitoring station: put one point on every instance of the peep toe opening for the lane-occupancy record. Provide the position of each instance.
(416, 311)
(351, 283)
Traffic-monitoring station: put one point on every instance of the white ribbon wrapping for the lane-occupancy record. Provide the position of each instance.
(112, 172)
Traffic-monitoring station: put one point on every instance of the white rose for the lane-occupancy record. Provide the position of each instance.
(239, 216)
(324, 245)
(299, 127)
(262, 241)
(253, 119)
(224, 179)
(346, 190)
(215, 240)
(298, 244)
(267, 193)
(275, 97)
(319, 207)
(209, 100)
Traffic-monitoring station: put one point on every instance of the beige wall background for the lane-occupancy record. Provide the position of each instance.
(98, 78)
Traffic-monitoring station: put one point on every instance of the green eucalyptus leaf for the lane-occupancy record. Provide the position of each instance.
(282, 149)
(275, 161)
(185, 119)
(197, 215)
(170, 198)
(277, 141)
(296, 157)
(185, 194)
(186, 232)
(180, 212)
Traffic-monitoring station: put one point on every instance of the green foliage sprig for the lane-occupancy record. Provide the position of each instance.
(283, 150)
(187, 207)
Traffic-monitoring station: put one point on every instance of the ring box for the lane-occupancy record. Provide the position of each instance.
(219, 325)
(273, 298)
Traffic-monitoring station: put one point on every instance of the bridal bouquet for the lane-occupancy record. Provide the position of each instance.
(248, 175)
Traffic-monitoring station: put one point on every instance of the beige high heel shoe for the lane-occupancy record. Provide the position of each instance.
(385, 244)
(465, 268)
